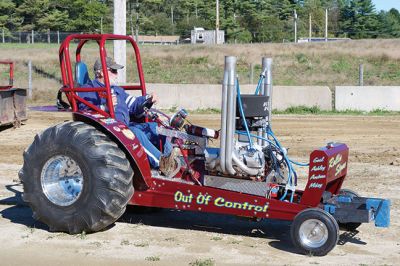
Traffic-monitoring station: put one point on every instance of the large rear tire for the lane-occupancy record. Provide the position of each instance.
(76, 179)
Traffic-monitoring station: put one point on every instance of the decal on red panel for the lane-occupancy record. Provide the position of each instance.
(205, 199)
(128, 134)
(335, 162)
(108, 121)
(318, 167)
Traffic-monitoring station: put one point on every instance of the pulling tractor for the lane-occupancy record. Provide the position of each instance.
(12, 100)
(80, 175)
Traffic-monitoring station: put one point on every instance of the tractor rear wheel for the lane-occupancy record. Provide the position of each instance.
(314, 232)
(76, 179)
(349, 226)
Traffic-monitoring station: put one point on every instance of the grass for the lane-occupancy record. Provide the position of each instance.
(125, 242)
(305, 110)
(153, 258)
(202, 262)
(330, 64)
(141, 244)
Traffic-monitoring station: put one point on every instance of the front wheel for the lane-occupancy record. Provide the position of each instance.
(314, 232)
(76, 179)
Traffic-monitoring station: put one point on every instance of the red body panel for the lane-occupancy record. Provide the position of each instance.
(327, 170)
(169, 194)
(328, 165)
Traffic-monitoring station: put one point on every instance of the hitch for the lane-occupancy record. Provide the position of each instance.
(350, 209)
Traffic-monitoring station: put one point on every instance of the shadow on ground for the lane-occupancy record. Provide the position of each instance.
(276, 232)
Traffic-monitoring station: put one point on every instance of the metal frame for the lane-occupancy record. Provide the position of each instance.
(68, 77)
(327, 168)
(11, 73)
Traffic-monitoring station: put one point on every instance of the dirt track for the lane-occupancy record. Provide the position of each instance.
(172, 237)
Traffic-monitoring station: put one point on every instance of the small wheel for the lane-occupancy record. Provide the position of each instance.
(314, 232)
(348, 226)
(76, 179)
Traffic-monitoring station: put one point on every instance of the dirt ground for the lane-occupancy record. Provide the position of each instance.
(170, 237)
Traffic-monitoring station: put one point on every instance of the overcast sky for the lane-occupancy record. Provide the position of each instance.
(386, 4)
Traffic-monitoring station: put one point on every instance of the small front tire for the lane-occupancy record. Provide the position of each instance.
(314, 232)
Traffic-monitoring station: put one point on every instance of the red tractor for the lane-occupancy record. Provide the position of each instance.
(80, 175)
(12, 100)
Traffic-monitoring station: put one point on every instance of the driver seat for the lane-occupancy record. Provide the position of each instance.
(81, 73)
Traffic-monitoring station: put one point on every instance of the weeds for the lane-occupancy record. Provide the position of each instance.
(141, 244)
(216, 238)
(204, 262)
(315, 110)
(125, 242)
(153, 258)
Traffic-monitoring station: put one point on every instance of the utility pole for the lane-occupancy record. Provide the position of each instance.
(310, 30)
(326, 25)
(101, 25)
(172, 15)
(137, 22)
(295, 26)
(217, 21)
(120, 46)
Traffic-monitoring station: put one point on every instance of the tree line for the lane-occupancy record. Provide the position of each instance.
(242, 20)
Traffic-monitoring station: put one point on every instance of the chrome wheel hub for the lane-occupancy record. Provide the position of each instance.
(62, 180)
(313, 233)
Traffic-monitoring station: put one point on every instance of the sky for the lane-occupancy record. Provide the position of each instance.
(386, 4)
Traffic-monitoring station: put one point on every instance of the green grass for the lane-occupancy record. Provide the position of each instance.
(141, 244)
(202, 262)
(328, 64)
(315, 110)
(305, 110)
(152, 258)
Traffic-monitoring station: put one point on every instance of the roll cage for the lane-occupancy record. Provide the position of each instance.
(71, 87)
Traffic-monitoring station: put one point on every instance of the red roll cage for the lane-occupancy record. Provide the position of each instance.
(69, 86)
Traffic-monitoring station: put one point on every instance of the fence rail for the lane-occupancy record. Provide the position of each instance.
(58, 36)
(34, 36)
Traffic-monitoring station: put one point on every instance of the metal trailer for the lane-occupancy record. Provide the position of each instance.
(12, 100)
(79, 176)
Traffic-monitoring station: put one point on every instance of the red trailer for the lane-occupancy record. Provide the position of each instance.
(12, 100)
(80, 175)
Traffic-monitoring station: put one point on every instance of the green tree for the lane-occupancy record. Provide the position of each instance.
(9, 20)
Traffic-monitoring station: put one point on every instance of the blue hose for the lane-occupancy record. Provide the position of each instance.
(259, 84)
(292, 175)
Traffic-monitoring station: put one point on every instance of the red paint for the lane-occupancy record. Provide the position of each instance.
(67, 74)
(328, 166)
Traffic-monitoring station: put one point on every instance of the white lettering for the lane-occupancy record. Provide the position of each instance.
(318, 168)
(316, 177)
(315, 185)
(334, 161)
(319, 160)
(339, 168)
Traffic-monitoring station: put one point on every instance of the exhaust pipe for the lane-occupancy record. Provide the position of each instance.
(228, 115)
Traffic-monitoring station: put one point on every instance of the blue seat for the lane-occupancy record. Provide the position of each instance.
(81, 74)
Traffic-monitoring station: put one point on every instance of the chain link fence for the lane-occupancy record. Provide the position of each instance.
(34, 36)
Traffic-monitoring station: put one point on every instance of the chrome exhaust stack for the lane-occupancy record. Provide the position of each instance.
(228, 115)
